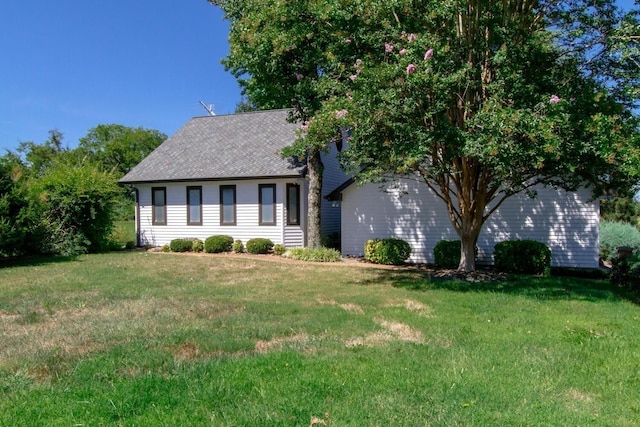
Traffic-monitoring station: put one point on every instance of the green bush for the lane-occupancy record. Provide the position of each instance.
(321, 254)
(279, 249)
(616, 234)
(259, 245)
(217, 244)
(522, 256)
(130, 245)
(238, 247)
(332, 241)
(165, 248)
(390, 251)
(198, 245)
(181, 245)
(446, 253)
(625, 273)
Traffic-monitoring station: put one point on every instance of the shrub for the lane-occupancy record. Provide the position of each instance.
(217, 244)
(390, 251)
(332, 241)
(238, 247)
(181, 245)
(198, 245)
(616, 234)
(259, 245)
(279, 249)
(446, 253)
(625, 273)
(522, 256)
(321, 254)
(165, 248)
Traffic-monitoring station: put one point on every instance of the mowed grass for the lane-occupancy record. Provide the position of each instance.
(135, 338)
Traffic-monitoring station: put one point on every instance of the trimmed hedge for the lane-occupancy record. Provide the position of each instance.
(390, 251)
(181, 245)
(217, 244)
(238, 247)
(522, 256)
(446, 253)
(259, 245)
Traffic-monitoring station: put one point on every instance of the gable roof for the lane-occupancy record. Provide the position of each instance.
(235, 146)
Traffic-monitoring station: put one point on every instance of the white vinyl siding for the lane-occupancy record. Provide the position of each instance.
(567, 222)
(246, 213)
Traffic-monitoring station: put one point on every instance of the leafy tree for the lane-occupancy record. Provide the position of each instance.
(38, 157)
(75, 206)
(19, 232)
(119, 148)
(285, 55)
(481, 99)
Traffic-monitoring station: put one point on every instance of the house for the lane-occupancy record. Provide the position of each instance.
(567, 222)
(224, 175)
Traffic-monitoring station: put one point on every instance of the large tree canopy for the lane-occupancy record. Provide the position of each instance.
(480, 99)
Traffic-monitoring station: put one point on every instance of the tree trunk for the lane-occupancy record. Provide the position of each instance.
(467, 253)
(314, 166)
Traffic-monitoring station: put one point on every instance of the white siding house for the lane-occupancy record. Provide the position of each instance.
(567, 222)
(225, 175)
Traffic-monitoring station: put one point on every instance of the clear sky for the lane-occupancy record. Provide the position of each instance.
(73, 64)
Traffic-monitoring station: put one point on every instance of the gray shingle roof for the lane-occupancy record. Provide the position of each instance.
(236, 146)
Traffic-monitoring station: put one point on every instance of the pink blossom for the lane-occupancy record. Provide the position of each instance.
(358, 63)
(403, 51)
(572, 99)
(403, 35)
(388, 48)
(428, 54)
(554, 99)
(353, 77)
(347, 41)
(411, 68)
(349, 97)
(299, 76)
(411, 38)
(341, 113)
(305, 126)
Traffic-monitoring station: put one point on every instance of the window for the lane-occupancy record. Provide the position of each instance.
(293, 204)
(227, 205)
(194, 205)
(159, 205)
(267, 203)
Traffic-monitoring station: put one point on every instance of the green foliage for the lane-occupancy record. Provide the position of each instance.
(198, 245)
(522, 256)
(259, 245)
(333, 240)
(119, 148)
(165, 248)
(279, 249)
(218, 243)
(446, 253)
(620, 209)
(181, 245)
(389, 251)
(238, 247)
(76, 207)
(625, 273)
(480, 97)
(321, 254)
(616, 234)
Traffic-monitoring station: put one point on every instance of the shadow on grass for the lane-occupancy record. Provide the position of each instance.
(541, 288)
(35, 260)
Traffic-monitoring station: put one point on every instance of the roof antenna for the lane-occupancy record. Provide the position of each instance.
(208, 108)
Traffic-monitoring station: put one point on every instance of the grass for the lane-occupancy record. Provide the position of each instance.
(137, 338)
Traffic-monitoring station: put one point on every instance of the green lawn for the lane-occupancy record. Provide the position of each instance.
(135, 338)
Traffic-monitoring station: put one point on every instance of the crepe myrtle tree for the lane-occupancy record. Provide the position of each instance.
(483, 100)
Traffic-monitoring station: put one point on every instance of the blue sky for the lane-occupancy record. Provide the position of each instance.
(74, 64)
